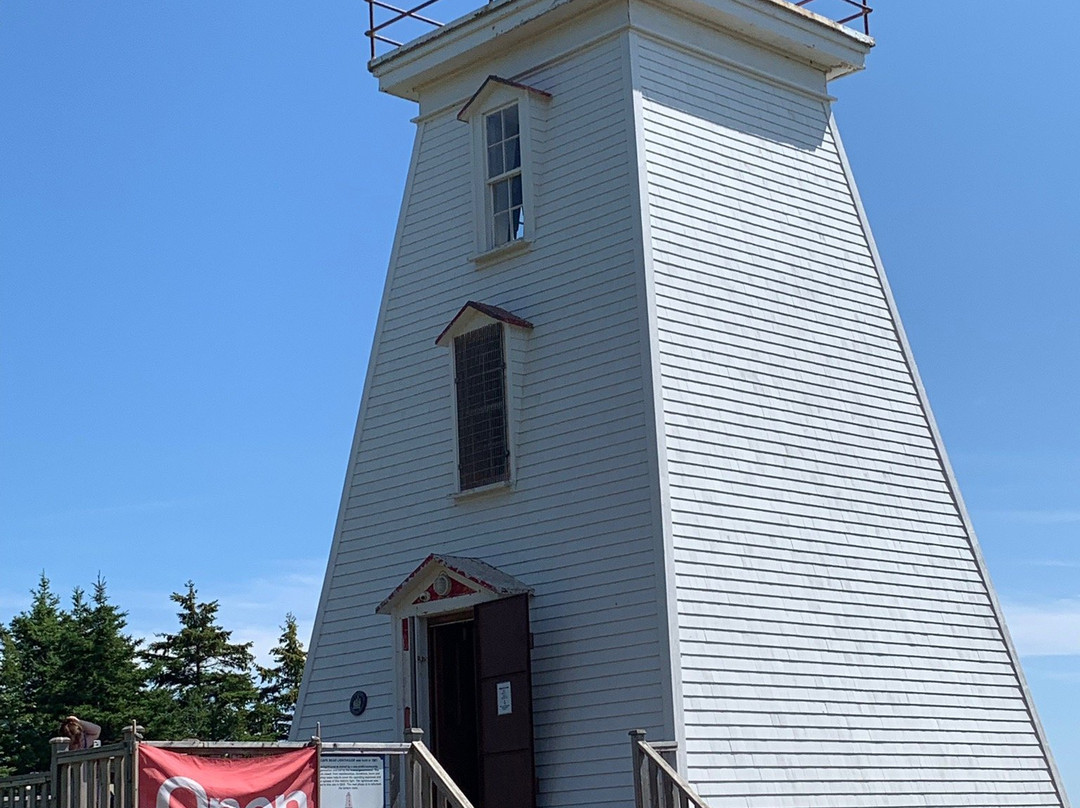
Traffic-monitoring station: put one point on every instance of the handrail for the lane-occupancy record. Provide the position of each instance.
(375, 34)
(863, 12)
(427, 784)
(26, 790)
(656, 783)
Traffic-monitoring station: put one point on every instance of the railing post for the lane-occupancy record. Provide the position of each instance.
(130, 797)
(637, 737)
(56, 746)
(414, 784)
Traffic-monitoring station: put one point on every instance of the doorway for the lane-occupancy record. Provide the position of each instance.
(452, 700)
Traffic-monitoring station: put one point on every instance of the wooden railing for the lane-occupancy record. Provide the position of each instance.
(104, 777)
(94, 778)
(26, 791)
(656, 783)
(427, 785)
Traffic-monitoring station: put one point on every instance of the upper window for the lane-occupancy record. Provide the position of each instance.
(502, 114)
(480, 382)
(505, 204)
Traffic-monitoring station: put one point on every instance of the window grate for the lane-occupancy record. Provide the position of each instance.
(480, 381)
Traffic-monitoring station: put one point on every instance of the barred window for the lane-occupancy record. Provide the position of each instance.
(480, 380)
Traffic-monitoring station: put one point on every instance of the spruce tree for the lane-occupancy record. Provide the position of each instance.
(281, 683)
(102, 663)
(13, 713)
(202, 681)
(36, 688)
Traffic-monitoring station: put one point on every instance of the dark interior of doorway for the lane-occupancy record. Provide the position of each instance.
(454, 732)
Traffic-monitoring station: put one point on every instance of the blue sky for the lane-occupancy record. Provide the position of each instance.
(196, 206)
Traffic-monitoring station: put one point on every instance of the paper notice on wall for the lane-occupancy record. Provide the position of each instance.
(348, 781)
(504, 700)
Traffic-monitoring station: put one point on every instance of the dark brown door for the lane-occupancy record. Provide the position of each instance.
(452, 668)
(504, 679)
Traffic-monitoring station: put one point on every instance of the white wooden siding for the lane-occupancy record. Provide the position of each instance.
(579, 527)
(838, 644)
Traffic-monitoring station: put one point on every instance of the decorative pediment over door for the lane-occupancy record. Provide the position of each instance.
(447, 583)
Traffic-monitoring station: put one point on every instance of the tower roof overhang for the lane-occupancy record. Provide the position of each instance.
(777, 25)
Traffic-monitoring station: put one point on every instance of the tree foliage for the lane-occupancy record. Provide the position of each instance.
(208, 676)
(281, 682)
(195, 682)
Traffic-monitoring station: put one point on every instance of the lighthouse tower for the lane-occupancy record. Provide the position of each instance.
(642, 444)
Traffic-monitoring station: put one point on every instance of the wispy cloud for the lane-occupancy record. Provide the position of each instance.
(1048, 629)
(1040, 517)
(256, 609)
(253, 609)
(122, 509)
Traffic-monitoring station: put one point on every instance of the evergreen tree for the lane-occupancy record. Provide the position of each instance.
(281, 683)
(13, 714)
(208, 678)
(35, 687)
(101, 663)
(54, 663)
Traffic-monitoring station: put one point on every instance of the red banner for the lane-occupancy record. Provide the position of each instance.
(173, 780)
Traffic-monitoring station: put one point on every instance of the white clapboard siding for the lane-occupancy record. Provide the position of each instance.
(579, 527)
(838, 644)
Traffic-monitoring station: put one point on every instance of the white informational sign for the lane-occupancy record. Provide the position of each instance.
(352, 781)
(502, 695)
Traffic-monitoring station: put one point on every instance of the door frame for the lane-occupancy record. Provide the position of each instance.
(440, 586)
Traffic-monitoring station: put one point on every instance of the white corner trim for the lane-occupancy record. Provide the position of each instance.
(666, 593)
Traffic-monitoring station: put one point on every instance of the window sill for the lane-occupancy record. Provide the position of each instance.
(507, 250)
(482, 491)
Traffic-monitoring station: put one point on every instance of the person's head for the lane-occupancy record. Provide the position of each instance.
(71, 729)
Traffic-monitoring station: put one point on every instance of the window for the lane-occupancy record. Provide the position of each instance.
(480, 384)
(486, 346)
(502, 115)
(502, 139)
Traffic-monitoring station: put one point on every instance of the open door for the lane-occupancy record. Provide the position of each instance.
(504, 685)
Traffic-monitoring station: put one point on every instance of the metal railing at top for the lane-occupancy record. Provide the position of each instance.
(408, 23)
(841, 11)
(395, 16)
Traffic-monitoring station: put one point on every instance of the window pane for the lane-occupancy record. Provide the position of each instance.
(495, 160)
(510, 121)
(513, 153)
(494, 128)
(500, 196)
(515, 191)
(503, 233)
(518, 222)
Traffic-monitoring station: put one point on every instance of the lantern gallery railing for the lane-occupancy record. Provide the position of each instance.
(408, 23)
(841, 11)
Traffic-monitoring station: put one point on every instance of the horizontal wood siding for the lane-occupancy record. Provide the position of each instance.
(579, 527)
(838, 645)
